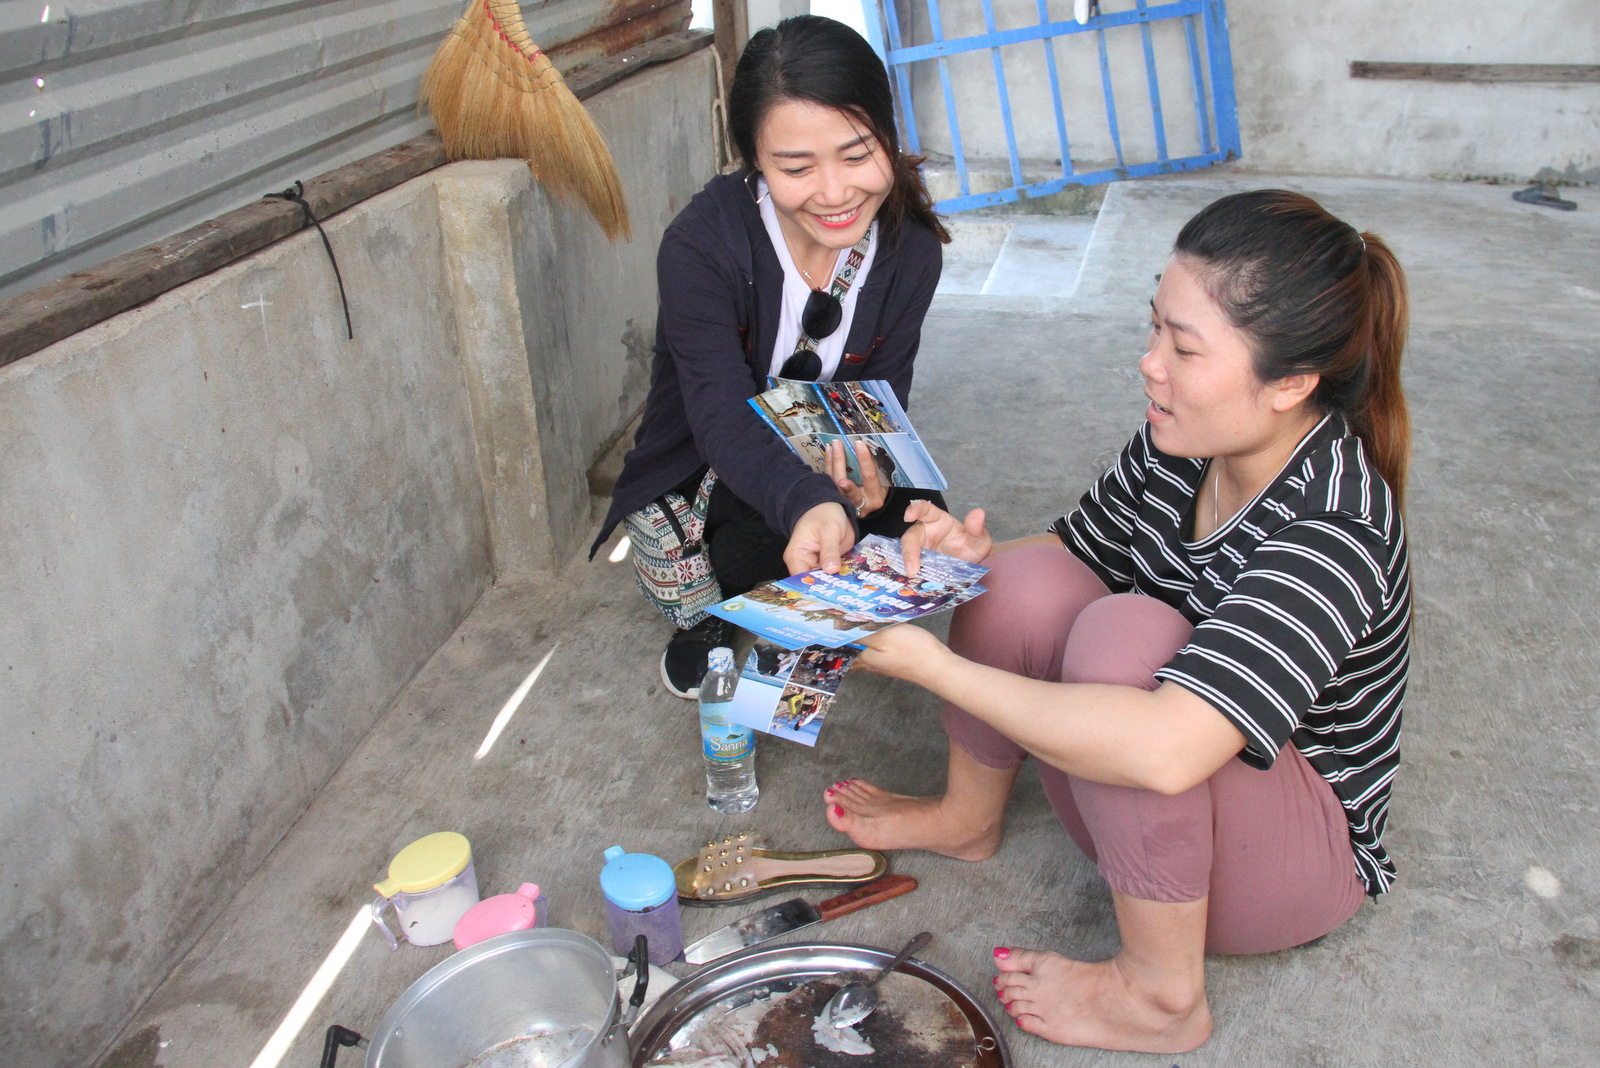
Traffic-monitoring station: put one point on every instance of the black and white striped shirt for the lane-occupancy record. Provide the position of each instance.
(1301, 605)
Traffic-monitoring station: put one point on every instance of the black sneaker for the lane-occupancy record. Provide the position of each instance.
(683, 664)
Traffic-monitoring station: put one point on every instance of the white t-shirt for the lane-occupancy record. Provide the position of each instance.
(796, 291)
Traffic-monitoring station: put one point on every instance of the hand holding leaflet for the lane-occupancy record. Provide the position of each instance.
(871, 494)
(789, 680)
(871, 591)
(867, 416)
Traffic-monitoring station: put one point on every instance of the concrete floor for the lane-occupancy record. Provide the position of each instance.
(1486, 953)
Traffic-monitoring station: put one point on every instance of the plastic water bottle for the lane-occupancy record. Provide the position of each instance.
(730, 749)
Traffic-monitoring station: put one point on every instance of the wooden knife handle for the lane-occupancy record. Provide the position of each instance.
(862, 896)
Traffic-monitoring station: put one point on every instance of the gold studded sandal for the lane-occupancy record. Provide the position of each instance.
(740, 867)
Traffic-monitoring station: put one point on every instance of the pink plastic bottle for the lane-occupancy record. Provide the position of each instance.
(500, 914)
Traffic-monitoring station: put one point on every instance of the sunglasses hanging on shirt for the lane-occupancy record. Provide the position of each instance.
(821, 316)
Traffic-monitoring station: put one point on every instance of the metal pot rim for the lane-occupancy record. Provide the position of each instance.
(797, 960)
(511, 942)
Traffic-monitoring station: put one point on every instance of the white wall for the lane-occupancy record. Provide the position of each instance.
(768, 12)
(1299, 109)
(848, 12)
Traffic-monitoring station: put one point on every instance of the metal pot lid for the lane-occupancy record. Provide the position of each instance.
(758, 972)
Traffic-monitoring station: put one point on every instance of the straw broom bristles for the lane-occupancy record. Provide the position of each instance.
(494, 95)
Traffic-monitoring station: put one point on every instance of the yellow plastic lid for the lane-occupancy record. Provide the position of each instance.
(426, 864)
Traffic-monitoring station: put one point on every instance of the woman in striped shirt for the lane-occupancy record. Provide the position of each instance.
(1208, 656)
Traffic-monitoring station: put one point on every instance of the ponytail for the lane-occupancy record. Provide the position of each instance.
(1382, 420)
(1313, 296)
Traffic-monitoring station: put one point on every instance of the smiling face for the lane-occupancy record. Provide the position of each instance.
(827, 175)
(1199, 375)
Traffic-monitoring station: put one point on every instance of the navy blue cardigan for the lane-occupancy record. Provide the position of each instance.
(721, 291)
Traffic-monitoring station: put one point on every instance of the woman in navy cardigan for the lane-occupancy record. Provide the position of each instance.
(749, 276)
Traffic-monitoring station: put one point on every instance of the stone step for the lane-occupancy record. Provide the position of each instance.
(1015, 255)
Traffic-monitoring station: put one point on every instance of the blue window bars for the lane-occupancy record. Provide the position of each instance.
(1204, 23)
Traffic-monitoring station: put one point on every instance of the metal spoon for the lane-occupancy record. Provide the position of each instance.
(856, 1001)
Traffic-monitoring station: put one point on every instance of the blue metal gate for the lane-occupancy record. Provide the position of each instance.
(1210, 84)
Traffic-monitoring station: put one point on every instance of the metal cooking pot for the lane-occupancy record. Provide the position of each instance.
(532, 999)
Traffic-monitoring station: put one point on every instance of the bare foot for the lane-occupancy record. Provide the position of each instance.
(1100, 1004)
(877, 819)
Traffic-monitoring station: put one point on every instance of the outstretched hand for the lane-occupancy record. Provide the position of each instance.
(934, 528)
(901, 652)
(823, 535)
(870, 495)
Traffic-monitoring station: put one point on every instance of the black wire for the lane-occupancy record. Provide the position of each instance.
(297, 196)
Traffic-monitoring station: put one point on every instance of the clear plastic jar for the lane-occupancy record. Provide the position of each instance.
(431, 885)
(642, 899)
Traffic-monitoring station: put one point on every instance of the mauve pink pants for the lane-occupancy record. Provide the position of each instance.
(1270, 848)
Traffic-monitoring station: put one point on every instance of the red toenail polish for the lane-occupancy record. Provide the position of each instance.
(838, 810)
(827, 793)
(1001, 952)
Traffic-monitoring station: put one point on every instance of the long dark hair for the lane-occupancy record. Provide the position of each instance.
(1313, 295)
(821, 61)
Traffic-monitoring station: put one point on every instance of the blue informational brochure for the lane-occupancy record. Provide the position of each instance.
(810, 415)
(870, 592)
(788, 692)
(804, 623)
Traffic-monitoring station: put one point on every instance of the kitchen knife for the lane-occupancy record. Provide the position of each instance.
(791, 916)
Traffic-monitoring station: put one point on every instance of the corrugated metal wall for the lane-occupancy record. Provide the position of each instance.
(124, 121)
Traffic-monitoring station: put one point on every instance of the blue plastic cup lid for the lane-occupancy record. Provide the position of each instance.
(636, 881)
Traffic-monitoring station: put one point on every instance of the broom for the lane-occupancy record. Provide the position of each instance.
(495, 95)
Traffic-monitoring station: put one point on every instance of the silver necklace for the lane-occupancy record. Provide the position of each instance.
(812, 282)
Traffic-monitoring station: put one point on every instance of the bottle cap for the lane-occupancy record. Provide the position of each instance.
(498, 915)
(426, 864)
(721, 659)
(636, 881)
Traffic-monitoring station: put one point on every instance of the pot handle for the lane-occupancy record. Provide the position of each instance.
(640, 958)
(639, 962)
(339, 1036)
(378, 905)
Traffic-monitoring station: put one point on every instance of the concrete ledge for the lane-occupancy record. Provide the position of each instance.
(33, 320)
(476, 206)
